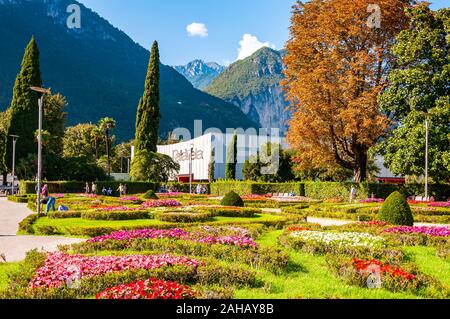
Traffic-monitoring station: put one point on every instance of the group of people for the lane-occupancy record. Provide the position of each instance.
(49, 201)
(201, 189)
(122, 190)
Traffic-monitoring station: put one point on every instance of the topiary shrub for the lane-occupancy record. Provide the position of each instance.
(396, 210)
(232, 199)
(150, 194)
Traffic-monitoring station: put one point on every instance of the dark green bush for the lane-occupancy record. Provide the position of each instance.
(232, 199)
(396, 210)
(150, 194)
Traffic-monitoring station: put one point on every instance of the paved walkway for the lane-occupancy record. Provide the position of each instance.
(14, 247)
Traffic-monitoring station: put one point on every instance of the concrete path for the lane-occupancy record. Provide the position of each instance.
(14, 247)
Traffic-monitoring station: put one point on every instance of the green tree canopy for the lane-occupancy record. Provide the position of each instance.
(418, 89)
(148, 112)
(230, 167)
(155, 167)
(24, 104)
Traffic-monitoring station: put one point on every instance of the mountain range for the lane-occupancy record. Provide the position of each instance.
(200, 73)
(100, 70)
(253, 84)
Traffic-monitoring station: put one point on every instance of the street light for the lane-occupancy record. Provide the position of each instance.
(14, 137)
(190, 167)
(39, 173)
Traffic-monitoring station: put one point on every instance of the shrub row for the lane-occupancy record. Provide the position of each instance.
(28, 187)
(18, 199)
(183, 217)
(232, 212)
(117, 215)
(324, 190)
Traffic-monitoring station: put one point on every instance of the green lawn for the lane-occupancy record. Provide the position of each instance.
(427, 261)
(65, 223)
(4, 270)
(309, 277)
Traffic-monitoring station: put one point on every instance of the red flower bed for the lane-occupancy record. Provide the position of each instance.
(297, 228)
(364, 265)
(149, 289)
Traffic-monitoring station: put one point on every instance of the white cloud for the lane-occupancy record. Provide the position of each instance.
(197, 29)
(249, 45)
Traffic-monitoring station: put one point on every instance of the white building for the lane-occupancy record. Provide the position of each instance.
(202, 147)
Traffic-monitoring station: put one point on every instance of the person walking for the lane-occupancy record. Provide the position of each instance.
(94, 188)
(120, 189)
(86, 188)
(352, 194)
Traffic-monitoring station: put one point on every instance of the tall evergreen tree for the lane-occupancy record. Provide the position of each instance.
(148, 112)
(230, 168)
(24, 105)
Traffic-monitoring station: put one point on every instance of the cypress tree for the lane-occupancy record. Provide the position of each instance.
(230, 168)
(148, 112)
(24, 105)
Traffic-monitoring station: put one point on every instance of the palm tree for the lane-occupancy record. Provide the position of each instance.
(106, 124)
(96, 133)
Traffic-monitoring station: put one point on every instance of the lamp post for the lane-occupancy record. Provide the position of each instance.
(190, 168)
(39, 173)
(14, 137)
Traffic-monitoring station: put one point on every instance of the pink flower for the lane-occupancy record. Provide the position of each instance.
(427, 230)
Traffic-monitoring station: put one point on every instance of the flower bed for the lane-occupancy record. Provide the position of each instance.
(362, 265)
(297, 228)
(439, 204)
(148, 289)
(426, 230)
(59, 267)
(175, 233)
(161, 203)
(115, 208)
(374, 223)
(347, 239)
(372, 200)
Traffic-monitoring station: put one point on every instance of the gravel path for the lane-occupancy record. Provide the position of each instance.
(14, 247)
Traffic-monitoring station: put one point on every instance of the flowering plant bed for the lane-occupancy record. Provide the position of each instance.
(161, 203)
(426, 230)
(374, 223)
(148, 289)
(133, 199)
(373, 273)
(439, 204)
(59, 267)
(175, 233)
(372, 200)
(348, 239)
(297, 228)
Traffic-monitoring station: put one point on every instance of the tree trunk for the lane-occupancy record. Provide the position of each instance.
(5, 177)
(96, 148)
(360, 170)
(107, 152)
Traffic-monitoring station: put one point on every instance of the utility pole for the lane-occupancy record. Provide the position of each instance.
(190, 168)
(39, 173)
(14, 137)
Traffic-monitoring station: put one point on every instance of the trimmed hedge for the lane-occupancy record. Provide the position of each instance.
(117, 215)
(324, 190)
(28, 187)
(396, 210)
(232, 212)
(232, 199)
(18, 199)
(183, 217)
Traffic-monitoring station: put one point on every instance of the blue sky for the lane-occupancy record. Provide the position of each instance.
(225, 22)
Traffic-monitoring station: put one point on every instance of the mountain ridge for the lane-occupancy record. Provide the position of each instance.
(253, 84)
(100, 70)
(200, 73)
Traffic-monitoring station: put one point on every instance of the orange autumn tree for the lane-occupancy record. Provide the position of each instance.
(336, 65)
